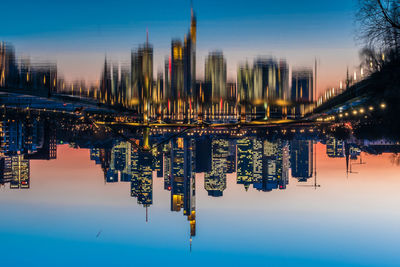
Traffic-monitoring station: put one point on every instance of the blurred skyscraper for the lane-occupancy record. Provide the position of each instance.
(142, 76)
(301, 159)
(180, 78)
(215, 75)
(302, 86)
(8, 67)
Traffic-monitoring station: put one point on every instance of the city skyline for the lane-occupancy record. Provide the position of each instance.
(252, 40)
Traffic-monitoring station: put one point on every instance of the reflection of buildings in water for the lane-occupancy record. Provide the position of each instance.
(33, 138)
(120, 163)
(263, 164)
(20, 176)
(167, 166)
(335, 148)
(301, 159)
(22, 140)
(203, 154)
(158, 161)
(215, 180)
(5, 170)
(275, 166)
(16, 171)
(144, 185)
(183, 187)
(245, 162)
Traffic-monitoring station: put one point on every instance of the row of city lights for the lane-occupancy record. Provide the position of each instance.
(355, 112)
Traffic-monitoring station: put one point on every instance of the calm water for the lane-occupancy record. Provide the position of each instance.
(197, 199)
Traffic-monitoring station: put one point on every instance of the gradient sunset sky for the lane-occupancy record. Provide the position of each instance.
(78, 34)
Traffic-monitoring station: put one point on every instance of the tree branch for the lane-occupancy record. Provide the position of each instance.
(388, 19)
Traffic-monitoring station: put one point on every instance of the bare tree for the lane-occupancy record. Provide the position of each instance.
(390, 12)
(379, 22)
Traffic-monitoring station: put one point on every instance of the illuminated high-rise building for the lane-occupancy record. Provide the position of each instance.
(215, 74)
(275, 166)
(231, 159)
(181, 66)
(105, 158)
(245, 162)
(215, 180)
(182, 182)
(40, 141)
(266, 80)
(124, 95)
(283, 91)
(120, 163)
(167, 166)
(20, 170)
(8, 67)
(257, 153)
(145, 184)
(190, 57)
(335, 148)
(245, 83)
(142, 76)
(183, 187)
(5, 170)
(105, 84)
(177, 70)
(302, 85)
(95, 155)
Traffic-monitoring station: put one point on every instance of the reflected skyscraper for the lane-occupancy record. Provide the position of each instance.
(275, 166)
(301, 159)
(245, 162)
(335, 148)
(183, 191)
(215, 181)
(5, 170)
(167, 166)
(203, 154)
(20, 170)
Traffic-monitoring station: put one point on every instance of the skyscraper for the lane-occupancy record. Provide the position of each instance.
(142, 76)
(245, 162)
(266, 83)
(8, 68)
(215, 74)
(215, 180)
(335, 148)
(301, 159)
(181, 66)
(177, 70)
(245, 82)
(20, 170)
(302, 86)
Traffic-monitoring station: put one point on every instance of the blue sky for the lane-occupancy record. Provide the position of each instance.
(73, 31)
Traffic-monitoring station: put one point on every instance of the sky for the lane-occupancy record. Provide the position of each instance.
(79, 34)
